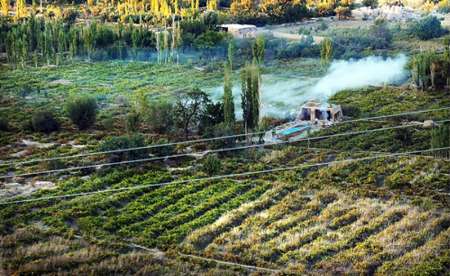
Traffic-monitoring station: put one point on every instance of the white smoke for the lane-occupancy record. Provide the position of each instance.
(282, 94)
(360, 73)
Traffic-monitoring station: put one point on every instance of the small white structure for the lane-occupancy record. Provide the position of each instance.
(312, 116)
(240, 30)
(314, 111)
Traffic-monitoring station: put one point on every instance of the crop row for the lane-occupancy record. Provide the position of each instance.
(411, 232)
(264, 245)
(184, 204)
(150, 203)
(193, 219)
(201, 237)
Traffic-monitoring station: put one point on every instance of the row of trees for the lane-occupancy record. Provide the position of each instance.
(161, 11)
(431, 69)
(49, 41)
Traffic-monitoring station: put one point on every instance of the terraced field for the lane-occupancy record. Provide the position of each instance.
(315, 220)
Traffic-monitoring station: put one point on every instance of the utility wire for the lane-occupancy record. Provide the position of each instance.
(14, 163)
(249, 173)
(209, 151)
(191, 256)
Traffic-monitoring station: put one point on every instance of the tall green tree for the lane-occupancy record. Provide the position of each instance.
(251, 81)
(228, 101)
(326, 51)
(259, 49)
(230, 54)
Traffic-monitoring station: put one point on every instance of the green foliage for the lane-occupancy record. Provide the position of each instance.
(44, 121)
(370, 3)
(211, 164)
(209, 39)
(189, 108)
(427, 28)
(353, 43)
(212, 115)
(283, 11)
(133, 121)
(440, 138)
(108, 122)
(82, 111)
(404, 135)
(124, 142)
(250, 95)
(258, 49)
(326, 51)
(228, 100)
(4, 124)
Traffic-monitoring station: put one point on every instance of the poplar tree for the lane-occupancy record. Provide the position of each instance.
(326, 51)
(21, 9)
(250, 95)
(228, 101)
(230, 54)
(5, 7)
(212, 5)
(259, 49)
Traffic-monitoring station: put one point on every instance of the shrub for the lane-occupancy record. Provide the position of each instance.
(4, 124)
(351, 44)
(44, 121)
(124, 142)
(133, 122)
(350, 110)
(427, 28)
(108, 122)
(82, 111)
(211, 165)
(160, 116)
(370, 3)
(162, 150)
(220, 130)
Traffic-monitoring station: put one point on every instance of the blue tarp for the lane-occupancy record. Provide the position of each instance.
(292, 130)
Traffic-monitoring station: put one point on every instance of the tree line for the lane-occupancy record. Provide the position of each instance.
(431, 69)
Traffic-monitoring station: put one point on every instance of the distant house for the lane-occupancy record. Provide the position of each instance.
(239, 30)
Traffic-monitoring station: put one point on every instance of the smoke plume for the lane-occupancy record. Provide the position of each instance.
(360, 73)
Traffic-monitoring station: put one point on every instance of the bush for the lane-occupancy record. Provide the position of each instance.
(351, 110)
(133, 122)
(4, 124)
(370, 3)
(124, 142)
(44, 121)
(427, 28)
(160, 116)
(352, 44)
(220, 130)
(211, 165)
(82, 111)
(162, 150)
(108, 122)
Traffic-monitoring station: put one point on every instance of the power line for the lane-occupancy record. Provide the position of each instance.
(209, 151)
(191, 256)
(114, 190)
(14, 163)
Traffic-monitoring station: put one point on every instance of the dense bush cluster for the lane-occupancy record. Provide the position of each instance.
(82, 111)
(354, 43)
(427, 28)
(124, 142)
(44, 121)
